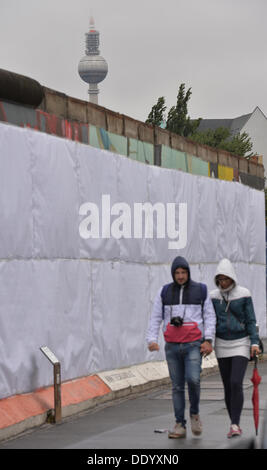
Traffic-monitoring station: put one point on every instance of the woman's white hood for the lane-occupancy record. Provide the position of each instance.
(226, 268)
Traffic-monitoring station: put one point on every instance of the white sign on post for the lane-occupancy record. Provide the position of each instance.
(49, 354)
(57, 381)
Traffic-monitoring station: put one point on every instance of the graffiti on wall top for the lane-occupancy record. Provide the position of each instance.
(145, 152)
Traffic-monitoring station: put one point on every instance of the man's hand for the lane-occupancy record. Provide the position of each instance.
(206, 348)
(153, 347)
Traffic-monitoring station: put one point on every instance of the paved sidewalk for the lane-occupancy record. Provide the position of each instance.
(130, 423)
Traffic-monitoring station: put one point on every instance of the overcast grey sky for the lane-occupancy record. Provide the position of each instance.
(216, 47)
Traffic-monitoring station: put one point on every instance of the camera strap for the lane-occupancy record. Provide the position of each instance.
(172, 298)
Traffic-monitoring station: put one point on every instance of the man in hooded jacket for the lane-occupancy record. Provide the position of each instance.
(188, 317)
(236, 338)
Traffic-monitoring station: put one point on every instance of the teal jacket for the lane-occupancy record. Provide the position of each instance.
(235, 318)
(234, 310)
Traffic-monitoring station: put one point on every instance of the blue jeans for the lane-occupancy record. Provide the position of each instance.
(184, 363)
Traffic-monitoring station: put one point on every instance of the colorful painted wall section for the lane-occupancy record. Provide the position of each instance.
(251, 180)
(24, 116)
(196, 166)
(167, 157)
(103, 139)
(225, 173)
(141, 151)
(174, 159)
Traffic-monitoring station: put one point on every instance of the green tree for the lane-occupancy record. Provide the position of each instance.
(157, 113)
(180, 123)
(178, 120)
(240, 144)
(222, 138)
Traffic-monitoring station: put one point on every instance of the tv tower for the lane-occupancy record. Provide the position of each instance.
(92, 67)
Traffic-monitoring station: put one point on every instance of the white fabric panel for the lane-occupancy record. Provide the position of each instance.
(133, 189)
(119, 321)
(158, 276)
(256, 216)
(207, 217)
(243, 221)
(161, 191)
(195, 271)
(186, 190)
(89, 300)
(16, 221)
(97, 173)
(43, 303)
(253, 278)
(207, 272)
(55, 197)
(258, 289)
(227, 196)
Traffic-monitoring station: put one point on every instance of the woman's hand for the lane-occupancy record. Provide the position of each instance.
(254, 350)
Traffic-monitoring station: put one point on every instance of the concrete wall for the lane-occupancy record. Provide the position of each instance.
(92, 124)
(128, 127)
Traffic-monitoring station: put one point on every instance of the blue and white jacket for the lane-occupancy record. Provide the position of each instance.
(184, 301)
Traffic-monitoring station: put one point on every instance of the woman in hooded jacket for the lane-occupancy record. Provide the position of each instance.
(236, 338)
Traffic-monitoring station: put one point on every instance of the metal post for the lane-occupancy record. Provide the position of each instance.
(57, 382)
(57, 392)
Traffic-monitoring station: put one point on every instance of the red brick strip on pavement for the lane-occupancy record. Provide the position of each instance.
(19, 409)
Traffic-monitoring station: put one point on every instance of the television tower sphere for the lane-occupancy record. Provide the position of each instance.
(92, 67)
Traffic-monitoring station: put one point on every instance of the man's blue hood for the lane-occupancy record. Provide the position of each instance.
(180, 262)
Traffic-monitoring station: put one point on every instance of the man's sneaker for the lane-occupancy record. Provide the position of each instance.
(234, 431)
(177, 432)
(196, 425)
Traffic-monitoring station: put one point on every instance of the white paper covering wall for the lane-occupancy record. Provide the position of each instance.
(89, 300)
